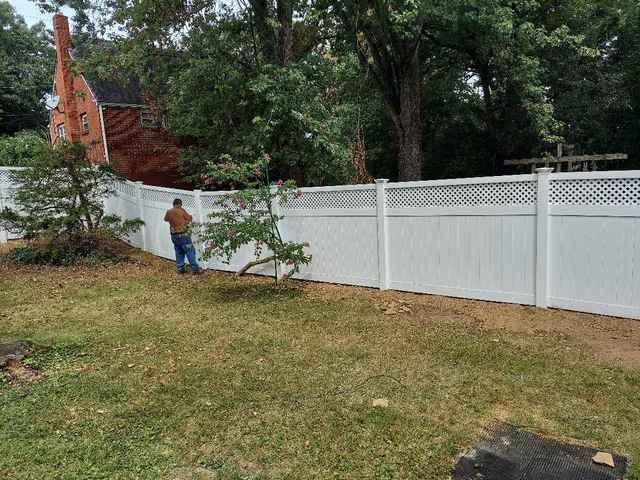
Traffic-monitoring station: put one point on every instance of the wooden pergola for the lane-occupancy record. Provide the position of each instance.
(569, 163)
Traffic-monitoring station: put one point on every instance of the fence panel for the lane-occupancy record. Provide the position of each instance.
(472, 240)
(595, 238)
(124, 203)
(341, 227)
(565, 240)
(7, 190)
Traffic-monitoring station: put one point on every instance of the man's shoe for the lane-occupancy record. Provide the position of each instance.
(182, 271)
(199, 271)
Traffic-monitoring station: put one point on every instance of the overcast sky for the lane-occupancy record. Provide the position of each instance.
(32, 14)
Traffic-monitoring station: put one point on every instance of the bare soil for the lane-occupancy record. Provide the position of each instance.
(610, 339)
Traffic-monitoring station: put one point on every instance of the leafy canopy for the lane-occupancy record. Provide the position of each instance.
(26, 70)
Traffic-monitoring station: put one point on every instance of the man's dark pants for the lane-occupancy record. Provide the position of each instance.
(183, 246)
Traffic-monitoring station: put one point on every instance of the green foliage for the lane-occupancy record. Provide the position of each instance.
(250, 217)
(60, 206)
(22, 149)
(26, 71)
(489, 80)
(294, 111)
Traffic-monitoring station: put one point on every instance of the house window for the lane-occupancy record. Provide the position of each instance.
(84, 120)
(147, 118)
(62, 134)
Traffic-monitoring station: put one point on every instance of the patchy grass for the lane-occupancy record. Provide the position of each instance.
(151, 375)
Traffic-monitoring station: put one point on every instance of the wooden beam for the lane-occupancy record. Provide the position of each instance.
(572, 159)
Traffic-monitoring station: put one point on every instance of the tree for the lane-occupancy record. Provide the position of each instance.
(218, 83)
(26, 70)
(440, 88)
(596, 96)
(249, 217)
(387, 36)
(60, 202)
(273, 22)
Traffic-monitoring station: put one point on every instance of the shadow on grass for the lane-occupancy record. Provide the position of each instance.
(242, 291)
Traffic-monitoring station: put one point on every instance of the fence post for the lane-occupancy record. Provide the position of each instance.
(198, 202)
(542, 238)
(383, 261)
(4, 235)
(141, 215)
(200, 220)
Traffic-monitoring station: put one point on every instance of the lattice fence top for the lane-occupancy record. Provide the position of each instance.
(126, 188)
(596, 191)
(8, 188)
(5, 177)
(211, 201)
(338, 199)
(167, 198)
(463, 195)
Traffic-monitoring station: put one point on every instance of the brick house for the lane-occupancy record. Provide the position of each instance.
(110, 119)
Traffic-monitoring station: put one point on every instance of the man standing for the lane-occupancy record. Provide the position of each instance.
(179, 221)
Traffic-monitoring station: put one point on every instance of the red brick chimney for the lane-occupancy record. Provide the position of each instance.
(66, 92)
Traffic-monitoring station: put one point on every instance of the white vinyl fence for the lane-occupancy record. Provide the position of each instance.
(565, 240)
(7, 189)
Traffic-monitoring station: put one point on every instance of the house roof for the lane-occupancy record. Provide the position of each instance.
(125, 92)
(108, 91)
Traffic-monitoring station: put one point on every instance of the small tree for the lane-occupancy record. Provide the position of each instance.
(60, 200)
(249, 217)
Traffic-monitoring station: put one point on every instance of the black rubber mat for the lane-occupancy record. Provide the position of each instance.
(506, 452)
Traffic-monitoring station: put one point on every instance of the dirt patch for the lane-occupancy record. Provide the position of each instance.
(608, 338)
(15, 351)
(11, 362)
(17, 372)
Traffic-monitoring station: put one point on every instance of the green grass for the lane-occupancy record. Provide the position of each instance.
(150, 375)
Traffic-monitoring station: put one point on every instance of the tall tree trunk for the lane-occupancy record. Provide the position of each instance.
(262, 17)
(284, 11)
(407, 119)
(274, 26)
(484, 73)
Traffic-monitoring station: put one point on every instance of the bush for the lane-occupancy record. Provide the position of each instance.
(60, 209)
(22, 149)
(69, 250)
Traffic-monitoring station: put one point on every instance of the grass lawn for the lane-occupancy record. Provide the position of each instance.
(150, 375)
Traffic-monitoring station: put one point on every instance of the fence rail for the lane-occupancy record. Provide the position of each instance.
(564, 240)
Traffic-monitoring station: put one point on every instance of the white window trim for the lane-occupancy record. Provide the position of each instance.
(84, 120)
(147, 118)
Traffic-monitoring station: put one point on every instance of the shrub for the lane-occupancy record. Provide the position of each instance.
(60, 208)
(22, 149)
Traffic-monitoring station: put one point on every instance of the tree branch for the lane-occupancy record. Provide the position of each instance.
(254, 263)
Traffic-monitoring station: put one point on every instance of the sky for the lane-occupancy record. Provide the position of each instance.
(32, 13)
